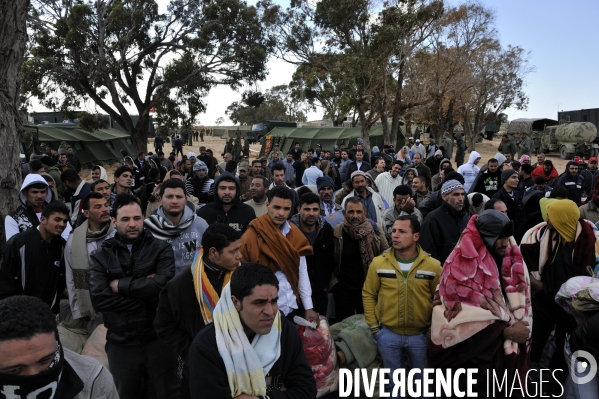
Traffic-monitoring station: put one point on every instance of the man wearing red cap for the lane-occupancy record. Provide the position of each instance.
(588, 176)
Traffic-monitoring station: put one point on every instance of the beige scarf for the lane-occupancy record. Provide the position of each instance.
(80, 265)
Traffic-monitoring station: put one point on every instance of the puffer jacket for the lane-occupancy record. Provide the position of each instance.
(402, 304)
(129, 315)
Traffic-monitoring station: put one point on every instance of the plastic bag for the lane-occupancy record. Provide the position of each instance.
(320, 351)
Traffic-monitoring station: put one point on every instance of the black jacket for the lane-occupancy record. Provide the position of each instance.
(434, 201)
(239, 216)
(322, 262)
(352, 167)
(129, 315)
(34, 267)
(290, 370)
(178, 318)
(441, 231)
(572, 183)
(514, 206)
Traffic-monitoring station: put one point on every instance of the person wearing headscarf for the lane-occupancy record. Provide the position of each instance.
(482, 316)
(562, 247)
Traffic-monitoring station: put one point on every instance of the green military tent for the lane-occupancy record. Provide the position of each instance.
(100, 146)
(327, 137)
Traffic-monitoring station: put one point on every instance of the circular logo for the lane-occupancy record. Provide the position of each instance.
(584, 370)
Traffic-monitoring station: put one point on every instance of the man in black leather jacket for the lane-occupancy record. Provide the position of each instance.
(126, 276)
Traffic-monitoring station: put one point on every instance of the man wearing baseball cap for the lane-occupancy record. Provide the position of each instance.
(442, 227)
(588, 176)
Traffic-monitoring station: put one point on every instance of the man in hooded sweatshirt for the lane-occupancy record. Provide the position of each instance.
(470, 170)
(226, 207)
(560, 248)
(34, 196)
(489, 180)
(200, 185)
(175, 222)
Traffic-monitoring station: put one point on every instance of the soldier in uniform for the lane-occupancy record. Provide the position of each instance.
(236, 150)
(525, 146)
(246, 149)
(507, 146)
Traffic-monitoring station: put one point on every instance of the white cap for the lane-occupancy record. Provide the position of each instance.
(418, 140)
(191, 154)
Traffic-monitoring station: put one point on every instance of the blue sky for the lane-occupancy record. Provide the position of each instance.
(563, 37)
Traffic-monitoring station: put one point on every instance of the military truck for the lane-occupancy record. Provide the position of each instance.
(261, 129)
(570, 139)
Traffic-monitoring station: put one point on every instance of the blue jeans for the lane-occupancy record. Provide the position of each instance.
(395, 347)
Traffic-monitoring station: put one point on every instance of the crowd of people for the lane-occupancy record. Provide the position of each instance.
(197, 268)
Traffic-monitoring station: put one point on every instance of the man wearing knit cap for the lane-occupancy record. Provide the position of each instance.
(325, 187)
(482, 315)
(372, 201)
(510, 195)
(554, 251)
(200, 185)
(442, 227)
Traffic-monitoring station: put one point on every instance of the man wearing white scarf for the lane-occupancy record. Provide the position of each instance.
(250, 351)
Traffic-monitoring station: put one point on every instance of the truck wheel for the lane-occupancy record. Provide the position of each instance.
(564, 154)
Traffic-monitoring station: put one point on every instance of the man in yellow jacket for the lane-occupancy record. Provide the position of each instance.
(398, 298)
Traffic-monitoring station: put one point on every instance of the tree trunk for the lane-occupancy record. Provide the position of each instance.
(386, 132)
(13, 39)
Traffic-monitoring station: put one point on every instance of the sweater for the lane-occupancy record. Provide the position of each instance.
(185, 241)
(402, 304)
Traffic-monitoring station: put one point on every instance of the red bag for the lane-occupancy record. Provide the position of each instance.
(319, 348)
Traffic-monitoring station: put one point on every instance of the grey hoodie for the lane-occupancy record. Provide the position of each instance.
(185, 238)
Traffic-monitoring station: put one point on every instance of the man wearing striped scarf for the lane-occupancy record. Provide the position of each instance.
(251, 350)
(188, 300)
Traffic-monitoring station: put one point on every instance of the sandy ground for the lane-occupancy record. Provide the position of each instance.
(487, 149)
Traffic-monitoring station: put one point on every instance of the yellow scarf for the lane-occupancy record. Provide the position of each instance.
(205, 293)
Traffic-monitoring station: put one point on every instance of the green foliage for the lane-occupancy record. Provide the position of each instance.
(127, 52)
(278, 103)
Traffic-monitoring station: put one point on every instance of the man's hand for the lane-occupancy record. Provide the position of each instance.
(114, 284)
(311, 315)
(518, 333)
(151, 275)
(245, 396)
(536, 285)
(407, 205)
